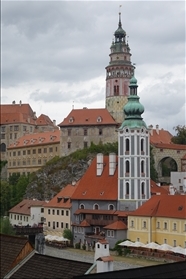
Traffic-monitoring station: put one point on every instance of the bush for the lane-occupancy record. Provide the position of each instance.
(84, 246)
(77, 245)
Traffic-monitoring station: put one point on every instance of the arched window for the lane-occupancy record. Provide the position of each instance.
(127, 166)
(143, 188)
(142, 145)
(82, 206)
(127, 188)
(142, 166)
(95, 206)
(3, 147)
(111, 207)
(127, 145)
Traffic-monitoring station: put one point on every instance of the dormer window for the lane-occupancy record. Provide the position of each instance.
(99, 119)
(71, 119)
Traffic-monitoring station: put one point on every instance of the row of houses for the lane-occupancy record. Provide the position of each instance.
(92, 211)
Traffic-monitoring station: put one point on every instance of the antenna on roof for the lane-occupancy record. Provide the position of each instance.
(73, 105)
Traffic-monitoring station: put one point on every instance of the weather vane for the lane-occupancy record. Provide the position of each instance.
(120, 8)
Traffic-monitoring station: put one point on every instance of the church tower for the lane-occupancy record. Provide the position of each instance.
(118, 74)
(133, 154)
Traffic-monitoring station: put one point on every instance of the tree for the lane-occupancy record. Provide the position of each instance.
(153, 172)
(68, 234)
(180, 137)
(5, 198)
(6, 227)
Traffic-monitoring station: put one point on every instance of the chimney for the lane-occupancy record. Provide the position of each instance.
(20, 102)
(54, 122)
(112, 163)
(157, 129)
(151, 129)
(13, 102)
(99, 164)
(35, 117)
(102, 256)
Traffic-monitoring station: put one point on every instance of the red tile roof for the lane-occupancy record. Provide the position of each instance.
(118, 225)
(170, 146)
(105, 259)
(161, 136)
(155, 189)
(93, 187)
(84, 223)
(88, 117)
(24, 206)
(62, 199)
(44, 120)
(36, 139)
(170, 206)
(122, 213)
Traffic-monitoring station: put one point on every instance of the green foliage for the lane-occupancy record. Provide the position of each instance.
(5, 198)
(68, 234)
(180, 137)
(53, 161)
(2, 164)
(77, 245)
(84, 246)
(153, 172)
(6, 227)
(13, 179)
(118, 248)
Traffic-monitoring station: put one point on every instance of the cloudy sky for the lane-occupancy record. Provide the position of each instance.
(54, 54)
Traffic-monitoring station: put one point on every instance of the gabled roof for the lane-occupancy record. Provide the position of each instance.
(86, 116)
(170, 206)
(36, 139)
(84, 223)
(93, 187)
(44, 120)
(42, 266)
(170, 146)
(24, 206)
(118, 225)
(12, 251)
(155, 189)
(62, 199)
(160, 136)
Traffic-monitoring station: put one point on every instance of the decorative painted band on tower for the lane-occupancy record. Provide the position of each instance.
(118, 74)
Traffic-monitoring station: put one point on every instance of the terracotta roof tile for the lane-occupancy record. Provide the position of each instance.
(170, 206)
(84, 223)
(44, 120)
(162, 136)
(118, 225)
(88, 117)
(105, 259)
(170, 146)
(36, 139)
(93, 187)
(24, 206)
(155, 189)
(95, 211)
(103, 241)
(62, 199)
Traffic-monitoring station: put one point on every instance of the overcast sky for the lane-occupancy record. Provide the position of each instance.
(54, 54)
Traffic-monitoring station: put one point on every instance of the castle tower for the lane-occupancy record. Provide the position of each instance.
(133, 154)
(118, 74)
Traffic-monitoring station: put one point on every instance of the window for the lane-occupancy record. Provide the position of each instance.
(116, 90)
(127, 145)
(143, 188)
(57, 211)
(82, 206)
(3, 129)
(100, 132)
(15, 136)
(48, 224)
(96, 206)
(28, 152)
(42, 210)
(45, 150)
(165, 226)
(179, 180)
(14, 217)
(132, 224)
(68, 145)
(51, 149)
(142, 146)
(127, 188)
(174, 243)
(142, 166)
(165, 241)
(49, 211)
(10, 136)
(144, 224)
(24, 152)
(66, 225)
(57, 224)
(39, 151)
(61, 225)
(24, 128)
(2, 136)
(127, 166)
(53, 211)
(185, 227)
(174, 227)
(62, 212)
(158, 225)
(75, 229)
(66, 212)
(16, 128)
(21, 217)
(34, 151)
(85, 132)
(110, 233)
(10, 128)
(39, 161)
(111, 207)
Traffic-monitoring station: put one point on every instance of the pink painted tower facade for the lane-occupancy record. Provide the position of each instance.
(118, 74)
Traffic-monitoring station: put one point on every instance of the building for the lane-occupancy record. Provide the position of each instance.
(57, 212)
(161, 219)
(118, 74)
(27, 212)
(95, 212)
(30, 152)
(83, 126)
(178, 180)
(133, 154)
